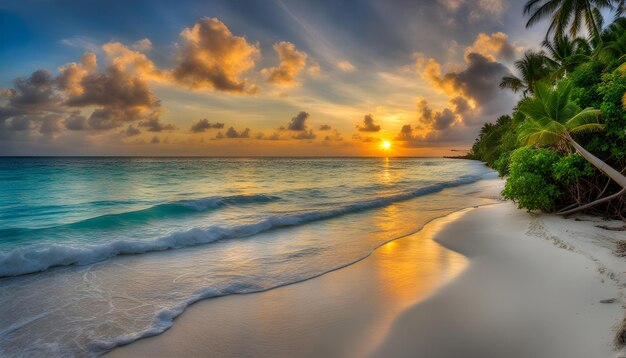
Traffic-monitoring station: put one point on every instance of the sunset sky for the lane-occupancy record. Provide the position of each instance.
(220, 78)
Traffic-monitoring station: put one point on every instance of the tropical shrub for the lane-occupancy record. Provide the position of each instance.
(530, 183)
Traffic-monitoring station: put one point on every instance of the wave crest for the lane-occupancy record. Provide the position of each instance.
(35, 259)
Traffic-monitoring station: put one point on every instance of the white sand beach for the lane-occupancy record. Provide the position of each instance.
(492, 281)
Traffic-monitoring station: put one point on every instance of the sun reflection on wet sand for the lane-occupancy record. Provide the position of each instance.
(408, 271)
(344, 313)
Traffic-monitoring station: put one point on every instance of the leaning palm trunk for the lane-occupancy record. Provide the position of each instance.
(551, 118)
(617, 177)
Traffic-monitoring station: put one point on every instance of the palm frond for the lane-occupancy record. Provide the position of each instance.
(591, 127)
(584, 117)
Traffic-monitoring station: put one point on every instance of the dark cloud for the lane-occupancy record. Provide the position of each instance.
(367, 139)
(116, 95)
(480, 79)
(406, 134)
(132, 131)
(475, 97)
(336, 136)
(325, 127)
(460, 105)
(274, 136)
(22, 123)
(368, 124)
(111, 117)
(35, 93)
(155, 140)
(75, 122)
(305, 135)
(298, 123)
(232, 133)
(51, 124)
(155, 125)
(203, 125)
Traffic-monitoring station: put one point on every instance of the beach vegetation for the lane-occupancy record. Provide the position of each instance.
(563, 149)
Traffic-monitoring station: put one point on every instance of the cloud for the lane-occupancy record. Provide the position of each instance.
(336, 136)
(305, 135)
(435, 120)
(81, 42)
(134, 61)
(32, 103)
(325, 127)
(298, 123)
(232, 133)
(120, 93)
(405, 134)
(493, 47)
(131, 131)
(202, 125)
(33, 94)
(211, 57)
(367, 139)
(345, 66)
(477, 84)
(368, 124)
(274, 136)
(143, 45)
(155, 140)
(314, 68)
(76, 122)
(155, 125)
(292, 62)
(475, 9)
(51, 124)
(117, 95)
(473, 92)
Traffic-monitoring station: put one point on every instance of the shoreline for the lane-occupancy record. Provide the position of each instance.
(203, 329)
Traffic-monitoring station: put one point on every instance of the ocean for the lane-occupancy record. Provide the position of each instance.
(99, 252)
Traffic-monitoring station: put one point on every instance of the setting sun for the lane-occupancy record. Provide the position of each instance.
(386, 145)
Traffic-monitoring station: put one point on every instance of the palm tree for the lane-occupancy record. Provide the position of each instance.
(533, 67)
(552, 117)
(567, 13)
(612, 42)
(565, 54)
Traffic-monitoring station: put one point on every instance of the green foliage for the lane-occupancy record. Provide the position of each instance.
(612, 145)
(530, 183)
(571, 168)
(560, 88)
(551, 116)
(612, 89)
(497, 139)
(585, 80)
(502, 164)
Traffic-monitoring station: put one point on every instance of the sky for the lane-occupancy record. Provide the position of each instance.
(254, 78)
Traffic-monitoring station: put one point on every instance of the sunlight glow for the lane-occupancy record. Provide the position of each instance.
(386, 145)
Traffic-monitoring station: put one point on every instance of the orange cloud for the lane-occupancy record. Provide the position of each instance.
(211, 57)
(134, 61)
(292, 62)
(119, 94)
(346, 66)
(493, 46)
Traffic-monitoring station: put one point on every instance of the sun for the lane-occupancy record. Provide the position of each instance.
(386, 145)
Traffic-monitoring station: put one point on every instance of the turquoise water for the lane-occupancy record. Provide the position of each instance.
(97, 252)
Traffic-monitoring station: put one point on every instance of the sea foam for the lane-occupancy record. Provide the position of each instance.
(36, 258)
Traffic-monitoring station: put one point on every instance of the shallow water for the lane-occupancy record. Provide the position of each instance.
(100, 252)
